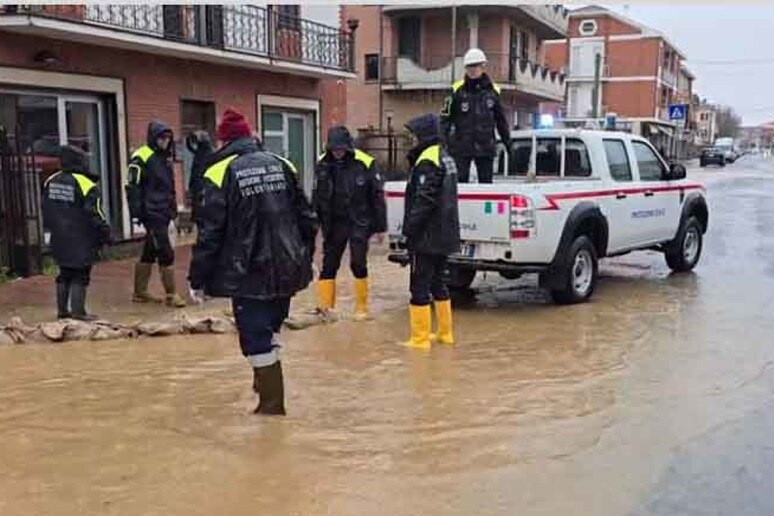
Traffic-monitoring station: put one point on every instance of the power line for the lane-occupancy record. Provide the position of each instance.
(731, 62)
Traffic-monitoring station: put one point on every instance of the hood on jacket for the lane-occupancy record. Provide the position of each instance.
(156, 129)
(427, 128)
(75, 160)
(339, 137)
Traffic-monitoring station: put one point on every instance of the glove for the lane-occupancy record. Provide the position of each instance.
(196, 294)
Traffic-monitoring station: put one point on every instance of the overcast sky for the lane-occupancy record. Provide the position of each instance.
(730, 49)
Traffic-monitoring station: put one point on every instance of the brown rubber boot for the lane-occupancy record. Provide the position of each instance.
(270, 386)
(168, 280)
(142, 274)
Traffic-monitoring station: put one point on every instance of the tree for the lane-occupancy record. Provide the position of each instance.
(728, 122)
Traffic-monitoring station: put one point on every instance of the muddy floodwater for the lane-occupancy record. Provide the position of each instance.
(656, 398)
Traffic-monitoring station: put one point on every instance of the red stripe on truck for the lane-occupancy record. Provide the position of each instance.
(464, 196)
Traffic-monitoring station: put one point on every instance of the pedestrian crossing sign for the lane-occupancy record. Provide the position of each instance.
(677, 111)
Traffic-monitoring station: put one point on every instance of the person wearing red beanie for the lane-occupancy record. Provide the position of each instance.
(254, 246)
(233, 126)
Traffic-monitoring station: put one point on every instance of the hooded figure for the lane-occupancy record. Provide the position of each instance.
(254, 246)
(72, 212)
(198, 144)
(349, 200)
(431, 229)
(150, 191)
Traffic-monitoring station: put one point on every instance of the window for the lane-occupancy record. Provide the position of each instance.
(547, 156)
(288, 16)
(524, 45)
(409, 33)
(618, 160)
(196, 115)
(588, 27)
(651, 168)
(372, 67)
(576, 159)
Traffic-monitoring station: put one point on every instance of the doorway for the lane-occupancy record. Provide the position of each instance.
(290, 134)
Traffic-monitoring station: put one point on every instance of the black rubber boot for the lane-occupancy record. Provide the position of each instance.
(271, 390)
(63, 301)
(78, 303)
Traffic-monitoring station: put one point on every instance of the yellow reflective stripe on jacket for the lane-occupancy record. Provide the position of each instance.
(85, 183)
(286, 162)
(99, 209)
(364, 158)
(144, 153)
(431, 154)
(496, 87)
(217, 172)
(458, 84)
(321, 156)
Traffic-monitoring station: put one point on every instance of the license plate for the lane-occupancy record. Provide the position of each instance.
(468, 250)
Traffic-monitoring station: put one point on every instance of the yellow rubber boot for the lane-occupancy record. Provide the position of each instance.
(326, 295)
(419, 317)
(361, 299)
(443, 312)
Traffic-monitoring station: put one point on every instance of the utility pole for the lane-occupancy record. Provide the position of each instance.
(453, 44)
(381, 68)
(596, 92)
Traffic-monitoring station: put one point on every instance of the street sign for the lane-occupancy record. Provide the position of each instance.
(678, 111)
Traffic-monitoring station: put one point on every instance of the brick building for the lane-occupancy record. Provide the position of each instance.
(640, 73)
(94, 75)
(406, 63)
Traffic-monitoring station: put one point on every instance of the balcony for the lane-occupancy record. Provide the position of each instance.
(435, 73)
(242, 34)
(669, 78)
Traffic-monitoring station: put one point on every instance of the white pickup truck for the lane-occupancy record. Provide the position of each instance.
(569, 198)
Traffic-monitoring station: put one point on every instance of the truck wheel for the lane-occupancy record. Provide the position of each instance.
(580, 270)
(460, 278)
(684, 253)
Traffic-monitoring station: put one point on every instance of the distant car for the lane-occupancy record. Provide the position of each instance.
(712, 156)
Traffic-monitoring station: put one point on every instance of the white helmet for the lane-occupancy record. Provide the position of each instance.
(474, 56)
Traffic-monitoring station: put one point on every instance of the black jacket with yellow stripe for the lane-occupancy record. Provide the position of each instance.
(431, 216)
(256, 227)
(470, 116)
(150, 187)
(72, 212)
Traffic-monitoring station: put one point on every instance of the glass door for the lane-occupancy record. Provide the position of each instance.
(290, 134)
(81, 125)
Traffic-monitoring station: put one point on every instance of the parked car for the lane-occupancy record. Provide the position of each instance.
(712, 156)
(588, 195)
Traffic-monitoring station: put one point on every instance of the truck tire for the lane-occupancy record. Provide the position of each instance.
(683, 254)
(580, 270)
(460, 278)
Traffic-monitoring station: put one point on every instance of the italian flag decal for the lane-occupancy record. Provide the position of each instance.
(491, 206)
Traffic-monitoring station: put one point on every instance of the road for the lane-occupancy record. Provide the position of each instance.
(655, 398)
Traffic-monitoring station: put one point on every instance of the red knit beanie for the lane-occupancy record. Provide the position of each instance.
(233, 126)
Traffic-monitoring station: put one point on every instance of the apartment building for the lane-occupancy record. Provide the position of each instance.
(93, 75)
(706, 124)
(639, 72)
(409, 55)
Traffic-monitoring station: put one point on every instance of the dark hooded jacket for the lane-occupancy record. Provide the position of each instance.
(150, 188)
(349, 191)
(72, 212)
(431, 217)
(256, 227)
(470, 116)
(200, 145)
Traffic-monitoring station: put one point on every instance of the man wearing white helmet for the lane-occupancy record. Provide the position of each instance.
(470, 115)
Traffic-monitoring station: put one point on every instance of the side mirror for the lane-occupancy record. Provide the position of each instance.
(676, 171)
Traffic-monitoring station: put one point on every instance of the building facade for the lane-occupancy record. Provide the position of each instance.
(408, 57)
(615, 65)
(95, 75)
(706, 124)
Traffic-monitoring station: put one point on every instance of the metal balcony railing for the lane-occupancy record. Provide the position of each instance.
(245, 29)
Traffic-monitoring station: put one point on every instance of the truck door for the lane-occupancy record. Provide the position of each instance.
(619, 205)
(660, 203)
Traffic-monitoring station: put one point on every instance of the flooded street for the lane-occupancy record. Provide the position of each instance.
(655, 398)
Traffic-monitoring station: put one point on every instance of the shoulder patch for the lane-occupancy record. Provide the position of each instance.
(217, 172)
(364, 158)
(431, 154)
(85, 183)
(144, 153)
